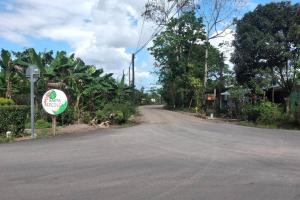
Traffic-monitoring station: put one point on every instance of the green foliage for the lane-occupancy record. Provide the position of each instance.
(87, 87)
(116, 112)
(40, 124)
(269, 113)
(251, 112)
(264, 112)
(6, 102)
(180, 60)
(297, 115)
(87, 117)
(13, 118)
(267, 45)
(66, 117)
(102, 116)
(4, 139)
(120, 117)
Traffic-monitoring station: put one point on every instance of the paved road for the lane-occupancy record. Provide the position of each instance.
(170, 156)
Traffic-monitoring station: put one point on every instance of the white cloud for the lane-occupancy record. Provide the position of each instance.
(224, 44)
(98, 31)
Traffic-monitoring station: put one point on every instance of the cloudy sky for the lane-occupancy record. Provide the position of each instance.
(101, 32)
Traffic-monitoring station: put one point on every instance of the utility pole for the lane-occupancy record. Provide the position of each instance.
(133, 78)
(129, 72)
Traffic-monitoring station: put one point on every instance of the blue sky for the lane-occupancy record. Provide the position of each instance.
(101, 32)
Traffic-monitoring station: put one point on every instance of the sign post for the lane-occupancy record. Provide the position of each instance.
(54, 103)
(32, 73)
(54, 125)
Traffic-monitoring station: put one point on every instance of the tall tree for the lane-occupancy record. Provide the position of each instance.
(218, 17)
(176, 52)
(267, 45)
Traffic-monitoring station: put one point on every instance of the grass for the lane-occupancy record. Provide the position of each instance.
(39, 124)
(4, 139)
(43, 133)
(252, 124)
(286, 125)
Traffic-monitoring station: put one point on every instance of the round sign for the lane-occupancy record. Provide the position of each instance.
(55, 102)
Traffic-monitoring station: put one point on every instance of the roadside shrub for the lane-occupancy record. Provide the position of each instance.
(120, 118)
(263, 112)
(42, 124)
(6, 102)
(4, 139)
(250, 112)
(101, 116)
(13, 118)
(120, 112)
(87, 117)
(66, 117)
(269, 113)
(297, 115)
(39, 124)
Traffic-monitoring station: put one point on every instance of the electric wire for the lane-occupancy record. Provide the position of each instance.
(160, 27)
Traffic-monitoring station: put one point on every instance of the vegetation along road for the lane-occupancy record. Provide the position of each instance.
(169, 156)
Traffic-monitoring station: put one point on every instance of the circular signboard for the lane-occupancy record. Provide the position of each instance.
(55, 102)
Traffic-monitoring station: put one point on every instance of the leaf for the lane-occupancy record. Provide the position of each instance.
(52, 95)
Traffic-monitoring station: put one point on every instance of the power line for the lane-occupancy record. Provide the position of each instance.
(160, 27)
(157, 30)
(141, 33)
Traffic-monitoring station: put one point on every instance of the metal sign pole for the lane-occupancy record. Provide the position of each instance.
(32, 103)
(32, 73)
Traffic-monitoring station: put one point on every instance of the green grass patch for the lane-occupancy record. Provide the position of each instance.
(5, 139)
(39, 124)
(269, 126)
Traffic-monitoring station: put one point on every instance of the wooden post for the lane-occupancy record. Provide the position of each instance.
(133, 79)
(54, 125)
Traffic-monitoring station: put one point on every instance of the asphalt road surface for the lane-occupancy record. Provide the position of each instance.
(170, 156)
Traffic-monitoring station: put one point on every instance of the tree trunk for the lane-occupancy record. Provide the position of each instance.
(77, 108)
(8, 87)
(205, 71)
(206, 67)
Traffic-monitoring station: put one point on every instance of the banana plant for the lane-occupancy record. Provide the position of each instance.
(9, 68)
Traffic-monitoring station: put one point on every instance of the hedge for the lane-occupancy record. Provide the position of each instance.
(6, 102)
(13, 118)
(264, 112)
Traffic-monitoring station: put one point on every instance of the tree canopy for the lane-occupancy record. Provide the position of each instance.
(267, 45)
(179, 52)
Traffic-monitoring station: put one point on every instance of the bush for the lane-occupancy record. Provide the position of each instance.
(87, 118)
(263, 112)
(297, 116)
(66, 117)
(13, 118)
(269, 113)
(121, 112)
(101, 116)
(250, 113)
(39, 124)
(120, 118)
(6, 102)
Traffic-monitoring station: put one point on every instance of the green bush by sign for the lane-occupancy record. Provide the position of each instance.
(6, 102)
(13, 118)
